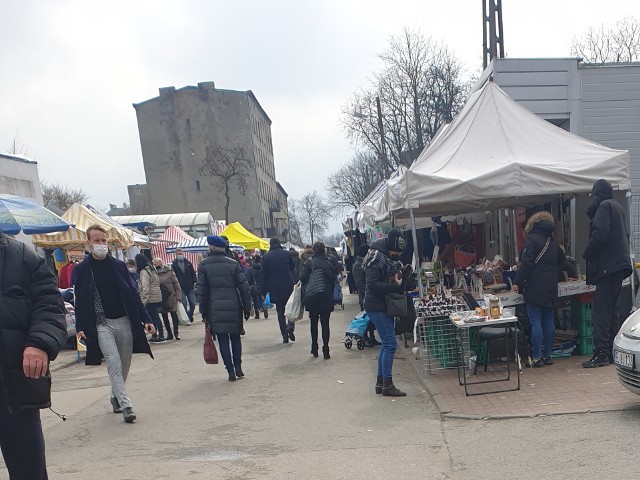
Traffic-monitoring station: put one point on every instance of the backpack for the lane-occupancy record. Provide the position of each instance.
(316, 286)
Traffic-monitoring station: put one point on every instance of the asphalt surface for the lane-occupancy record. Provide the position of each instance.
(297, 417)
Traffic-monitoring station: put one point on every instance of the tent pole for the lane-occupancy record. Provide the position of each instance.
(514, 242)
(500, 233)
(631, 251)
(416, 255)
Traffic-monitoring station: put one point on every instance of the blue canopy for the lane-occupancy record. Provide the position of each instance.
(22, 214)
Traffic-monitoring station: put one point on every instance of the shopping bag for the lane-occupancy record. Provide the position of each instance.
(294, 310)
(183, 318)
(209, 350)
(267, 302)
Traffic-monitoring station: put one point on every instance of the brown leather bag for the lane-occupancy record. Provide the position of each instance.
(209, 351)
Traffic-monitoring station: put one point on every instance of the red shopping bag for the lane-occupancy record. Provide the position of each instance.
(209, 351)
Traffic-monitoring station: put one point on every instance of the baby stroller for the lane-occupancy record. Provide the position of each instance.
(356, 330)
(337, 293)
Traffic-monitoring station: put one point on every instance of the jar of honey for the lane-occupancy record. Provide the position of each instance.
(494, 307)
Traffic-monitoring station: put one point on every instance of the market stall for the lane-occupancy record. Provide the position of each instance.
(239, 235)
(171, 237)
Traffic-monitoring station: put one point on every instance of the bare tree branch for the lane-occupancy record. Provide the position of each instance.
(311, 215)
(350, 185)
(228, 166)
(16, 147)
(616, 44)
(62, 196)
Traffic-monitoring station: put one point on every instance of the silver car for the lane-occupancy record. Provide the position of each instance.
(626, 353)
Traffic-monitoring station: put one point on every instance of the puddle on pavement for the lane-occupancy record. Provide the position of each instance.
(218, 456)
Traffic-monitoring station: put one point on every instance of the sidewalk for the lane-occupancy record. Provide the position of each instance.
(563, 388)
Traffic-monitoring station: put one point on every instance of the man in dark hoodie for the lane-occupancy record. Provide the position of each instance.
(277, 280)
(608, 264)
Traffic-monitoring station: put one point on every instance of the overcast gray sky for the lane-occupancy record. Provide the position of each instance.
(70, 70)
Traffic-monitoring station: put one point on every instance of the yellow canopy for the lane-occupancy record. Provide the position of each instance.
(83, 217)
(239, 235)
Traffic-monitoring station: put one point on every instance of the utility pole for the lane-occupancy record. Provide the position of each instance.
(492, 31)
(382, 139)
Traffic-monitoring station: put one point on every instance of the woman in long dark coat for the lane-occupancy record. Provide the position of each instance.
(319, 306)
(537, 279)
(223, 295)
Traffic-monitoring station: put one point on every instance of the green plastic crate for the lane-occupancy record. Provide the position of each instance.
(583, 326)
(581, 311)
(585, 345)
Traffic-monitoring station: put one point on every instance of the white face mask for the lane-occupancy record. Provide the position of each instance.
(132, 269)
(100, 251)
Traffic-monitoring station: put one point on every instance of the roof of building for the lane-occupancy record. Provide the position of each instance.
(249, 93)
(282, 189)
(18, 157)
(165, 220)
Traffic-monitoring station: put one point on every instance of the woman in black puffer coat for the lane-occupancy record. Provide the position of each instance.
(223, 295)
(319, 306)
(537, 279)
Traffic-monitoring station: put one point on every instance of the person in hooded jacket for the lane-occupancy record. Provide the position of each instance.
(150, 294)
(255, 282)
(384, 275)
(608, 264)
(223, 295)
(277, 280)
(169, 306)
(537, 279)
(305, 255)
(320, 306)
(32, 333)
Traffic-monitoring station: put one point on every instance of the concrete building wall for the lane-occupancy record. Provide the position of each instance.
(176, 130)
(19, 176)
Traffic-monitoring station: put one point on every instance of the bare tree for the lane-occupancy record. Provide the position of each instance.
(333, 239)
(421, 86)
(350, 185)
(62, 196)
(16, 147)
(228, 166)
(312, 214)
(294, 223)
(616, 44)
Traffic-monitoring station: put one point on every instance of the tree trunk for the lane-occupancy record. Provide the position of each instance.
(227, 197)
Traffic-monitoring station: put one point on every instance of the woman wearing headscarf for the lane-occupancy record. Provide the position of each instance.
(223, 295)
(150, 294)
(169, 283)
(384, 276)
(319, 306)
(537, 279)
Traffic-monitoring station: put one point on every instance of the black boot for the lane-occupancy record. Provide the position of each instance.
(232, 376)
(389, 389)
(116, 405)
(175, 329)
(167, 327)
(128, 415)
(325, 353)
(600, 359)
(257, 315)
(239, 372)
(314, 349)
(379, 385)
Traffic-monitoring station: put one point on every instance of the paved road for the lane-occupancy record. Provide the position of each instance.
(296, 417)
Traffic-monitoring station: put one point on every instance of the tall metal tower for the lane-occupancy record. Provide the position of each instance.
(492, 31)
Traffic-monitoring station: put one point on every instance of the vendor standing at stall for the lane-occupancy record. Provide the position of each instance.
(537, 280)
(608, 264)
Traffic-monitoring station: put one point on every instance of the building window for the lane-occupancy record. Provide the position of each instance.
(198, 185)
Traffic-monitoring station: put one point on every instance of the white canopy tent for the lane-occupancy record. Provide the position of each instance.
(498, 154)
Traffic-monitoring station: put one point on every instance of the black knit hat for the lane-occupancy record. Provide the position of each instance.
(395, 242)
(363, 250)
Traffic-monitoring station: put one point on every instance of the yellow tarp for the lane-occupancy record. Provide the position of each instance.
(83, 217)
(239, 235)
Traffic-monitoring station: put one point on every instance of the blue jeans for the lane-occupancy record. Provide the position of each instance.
(542, 325)
(230, 347)
(386, 329)
(191, 297)
(257, 303)
(152, 310)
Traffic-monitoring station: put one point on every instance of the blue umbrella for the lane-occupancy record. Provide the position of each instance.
(18, 213)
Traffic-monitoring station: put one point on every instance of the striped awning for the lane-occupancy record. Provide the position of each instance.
(173, 235)
(83, 217)
(200, 245)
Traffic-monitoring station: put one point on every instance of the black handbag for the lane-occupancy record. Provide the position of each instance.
(396, 304)
(316, 285)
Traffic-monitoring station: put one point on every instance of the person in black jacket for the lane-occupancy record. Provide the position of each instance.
(277, 278)
(384, 275)
(319, 306)
(32, 333)
(223, 295)
(360, 279)
(255, 284)
(537, 279)
(110, 316)
(186, 274)
(608, 264)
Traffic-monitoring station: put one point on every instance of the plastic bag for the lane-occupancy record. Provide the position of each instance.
(267, 302)
(294, 309)
(183, 318)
